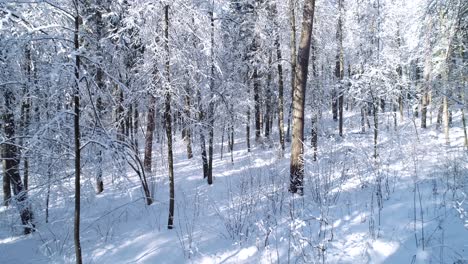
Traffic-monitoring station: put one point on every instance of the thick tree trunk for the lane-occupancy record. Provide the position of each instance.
(168, 123)
(297, 147)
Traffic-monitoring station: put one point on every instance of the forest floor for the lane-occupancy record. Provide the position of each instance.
(407, 206)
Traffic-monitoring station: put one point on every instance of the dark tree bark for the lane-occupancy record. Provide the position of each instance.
(120, 114)
(77, 136)
(11, 163)
(297, 147)
(339, 70)
(100, 85)
(268, 114)
(315, 106)
(257, 104)
(211, 105)
(6, 179)
(201, 120)
(26, 113)
(150, 127)
(168, 122)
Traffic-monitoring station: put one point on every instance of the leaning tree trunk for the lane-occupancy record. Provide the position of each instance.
(168, 122)
(297, 147)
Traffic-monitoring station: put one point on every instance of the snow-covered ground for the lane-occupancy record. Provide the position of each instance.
(408, 206)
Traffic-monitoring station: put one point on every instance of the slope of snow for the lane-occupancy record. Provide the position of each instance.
(408, 206)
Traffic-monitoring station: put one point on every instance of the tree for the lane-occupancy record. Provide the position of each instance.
(297, 147)
(339, 70)
(11, 161)
(168, 122)
(77, 135)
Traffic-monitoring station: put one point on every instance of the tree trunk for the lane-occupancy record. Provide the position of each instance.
(100, 86)
(26, 114)
(120, 115)
(187, 131)
(446, 119)
(11, 163)
(297, 147)
(6, 179)
(201, 120)
(280, 94)
(168, 123)
(292, 10)
(375, 111)
(339, 69)
(211, 105)
(77, 136)
(400, 78)
(427, 79)
(257, 104)
(268, 101)
(464, 123)
(363, 119)
(247, 127)
(315, 106)
(150, 127)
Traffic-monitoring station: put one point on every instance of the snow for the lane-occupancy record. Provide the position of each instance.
(247, 215)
